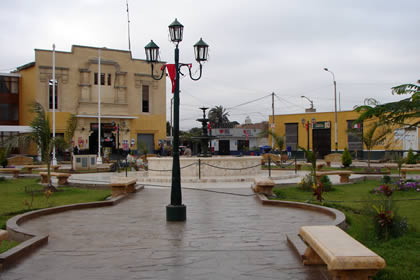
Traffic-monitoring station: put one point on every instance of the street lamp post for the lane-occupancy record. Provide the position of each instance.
(312, 103)
(335, 107)
(176, 211)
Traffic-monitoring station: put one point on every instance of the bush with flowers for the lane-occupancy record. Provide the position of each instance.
(386, 221)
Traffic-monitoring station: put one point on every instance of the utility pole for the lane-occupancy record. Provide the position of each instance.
(128, 21)
(272, 119)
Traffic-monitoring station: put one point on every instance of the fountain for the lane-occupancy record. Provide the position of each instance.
(205, 138)
(204, 167)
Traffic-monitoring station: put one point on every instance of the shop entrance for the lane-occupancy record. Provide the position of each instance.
(224, 147)
(321, 139)
(108, 139)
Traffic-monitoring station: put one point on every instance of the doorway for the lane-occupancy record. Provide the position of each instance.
(148, 140)
(321, 139)
(224, 147)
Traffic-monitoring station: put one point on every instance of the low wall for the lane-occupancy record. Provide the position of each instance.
(209, 167)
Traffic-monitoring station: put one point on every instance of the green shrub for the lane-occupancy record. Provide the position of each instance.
(307, 183)
(279, 194)
(346, 158)
(326, 183)
(411, 158)
(386, 179)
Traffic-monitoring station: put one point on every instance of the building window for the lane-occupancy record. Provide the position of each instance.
(109, 79)
(354, 136)
(9, 112)
(145, 99)
(9, 85)
(50, 90)
(292, 135)
(95, 79)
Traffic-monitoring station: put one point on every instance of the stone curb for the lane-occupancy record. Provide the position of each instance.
(32, 240)
(294, 240)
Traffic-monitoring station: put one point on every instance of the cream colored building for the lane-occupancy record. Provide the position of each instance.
(130, 98)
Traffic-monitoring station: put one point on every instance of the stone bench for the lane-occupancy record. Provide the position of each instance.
(318, 165)
(62, 177)
(344, 175)
(345, 257)
(405, 170)
(32, 166)
(3, 235)
(15, 171)
(122, 186)
(263, 185)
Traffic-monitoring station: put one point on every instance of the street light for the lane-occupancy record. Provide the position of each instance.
(335, 107)
(176, 211)
(312, 103)
(307, 124)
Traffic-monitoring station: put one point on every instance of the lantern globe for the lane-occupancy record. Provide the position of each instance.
(201, 50)
(152, 52)
(175, 31)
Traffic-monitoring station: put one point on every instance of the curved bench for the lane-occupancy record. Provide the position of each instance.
(15, 171)
(122, 186)
(62, 177)
(405, 170)
(345, 257)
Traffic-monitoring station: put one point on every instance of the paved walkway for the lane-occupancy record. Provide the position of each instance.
(228, 235)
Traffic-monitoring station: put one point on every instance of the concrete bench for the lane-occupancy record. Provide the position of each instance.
(318, 165)
(15, 171)
(122, 186)
(62, 177)
(32, 166)
(345, 257)
(3, 235)
(405, 170)
(344, 175)
(263, 185)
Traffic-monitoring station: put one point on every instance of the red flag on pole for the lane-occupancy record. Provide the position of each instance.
(172, 74)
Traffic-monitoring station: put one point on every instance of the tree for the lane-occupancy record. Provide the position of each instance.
(168, 128)
(218, 115)
(41, 135)
(277, 139)
(403, 112)
(374, 135)
(69, 134)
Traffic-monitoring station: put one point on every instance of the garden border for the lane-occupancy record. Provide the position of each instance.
(32, 240)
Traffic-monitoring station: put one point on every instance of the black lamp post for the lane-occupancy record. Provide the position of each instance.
(307, 124)
(176, 211)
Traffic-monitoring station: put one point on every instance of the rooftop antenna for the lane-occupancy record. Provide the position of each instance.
(128, 21)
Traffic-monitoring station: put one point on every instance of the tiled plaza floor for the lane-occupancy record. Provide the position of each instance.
(226, 236)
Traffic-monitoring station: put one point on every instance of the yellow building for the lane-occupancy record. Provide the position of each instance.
(316, 130)
(129, 97)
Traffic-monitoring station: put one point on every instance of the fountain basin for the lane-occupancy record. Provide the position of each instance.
(211, 167)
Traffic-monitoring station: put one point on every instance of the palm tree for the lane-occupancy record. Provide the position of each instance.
(69, 133)
(375, 134)
(218, 115)
(278, 139)
(41, 135)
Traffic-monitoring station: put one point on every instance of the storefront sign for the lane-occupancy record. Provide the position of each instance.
(321, 125)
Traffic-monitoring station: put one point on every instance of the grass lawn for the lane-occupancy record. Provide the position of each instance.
(16, 198)
(402, 254)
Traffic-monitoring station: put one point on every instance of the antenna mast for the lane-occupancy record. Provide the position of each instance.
(128, 21)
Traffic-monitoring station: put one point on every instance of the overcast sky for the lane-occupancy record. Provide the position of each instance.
(256, 47)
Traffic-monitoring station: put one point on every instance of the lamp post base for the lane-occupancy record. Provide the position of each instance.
(176, 213)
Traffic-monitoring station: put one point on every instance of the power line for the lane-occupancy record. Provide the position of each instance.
(248, 102)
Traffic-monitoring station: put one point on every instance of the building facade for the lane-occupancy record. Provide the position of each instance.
(317, 131)
(132, 104)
